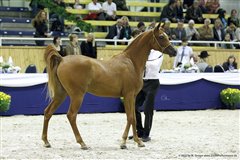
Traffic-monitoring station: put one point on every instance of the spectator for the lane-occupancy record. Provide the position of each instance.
(202, 64)
(206, 32)
(115, 31)
(88, 47)
(36, 7)
(57, 45)
(169, 12)
(179, 10)
(121, 5)
(95, 11)
(221, 16)
(77, 5)
(184, 54)
(179, 33)
(187, 3)
(135, 33)
(167, 29)
(41, 29)
(230, 64)
(237, 33)
(157, 9)
(227, 45)
(218, 32)
(110, 9)
(57, 20)
(234, 18)
(73, 48)
(151, 26)
(141, 26)
(191, 31)
(202, 6)
(231, 29)
(212, 6)
(194, 13)
(126, 30)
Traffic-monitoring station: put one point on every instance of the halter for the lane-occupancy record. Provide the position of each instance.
(162, 48)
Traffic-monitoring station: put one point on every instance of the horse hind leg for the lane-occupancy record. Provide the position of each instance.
(59, 97)
(76, 102)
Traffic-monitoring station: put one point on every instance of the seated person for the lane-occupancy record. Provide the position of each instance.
(121, 5)
(218, 31)
(110, 9)
(88, 47)
(169, 11)
(167, 29)
(141, 26)
(179, 33)
(184, 54)
(202, 63)
(202, 6)
(77, 5)
(191, 31)
(212, 6)
(194, 13)
(126, 31)
(206, 32)
(234, 18)
(230, 64)
(231, 29)
(179, 10)
(227, 45)
(221, 16)
(95, 11)
(115, 31)
(73, 48)
(57, 45)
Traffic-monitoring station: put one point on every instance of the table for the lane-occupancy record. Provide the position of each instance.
(178, 91)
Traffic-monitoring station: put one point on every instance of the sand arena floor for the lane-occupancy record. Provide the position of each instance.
(208, 134)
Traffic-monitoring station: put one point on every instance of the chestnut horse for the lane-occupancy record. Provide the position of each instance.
(121, 76)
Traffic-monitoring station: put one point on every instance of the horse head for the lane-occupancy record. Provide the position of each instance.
(162, 42)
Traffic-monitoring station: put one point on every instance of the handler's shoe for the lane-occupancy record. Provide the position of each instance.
(146, 139)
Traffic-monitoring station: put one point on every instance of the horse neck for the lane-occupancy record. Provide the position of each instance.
(139, 49)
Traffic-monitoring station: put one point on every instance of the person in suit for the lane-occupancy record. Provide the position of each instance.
(218, 31)
(88, 47)
(73, 48)
(115, 31)
(179, 33)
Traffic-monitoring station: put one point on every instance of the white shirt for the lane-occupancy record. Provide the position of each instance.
(188, 52)
(109, 9)
(153, 65)
(92, 6)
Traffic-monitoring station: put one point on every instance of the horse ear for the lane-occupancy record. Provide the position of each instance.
(158, 26)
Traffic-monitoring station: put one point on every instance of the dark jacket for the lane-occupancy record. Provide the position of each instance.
(193, 14)
(112, 32)
(88, 50)
(215, 35)
(41, 28)
(168, 13)
(226, 66)
(179, 33)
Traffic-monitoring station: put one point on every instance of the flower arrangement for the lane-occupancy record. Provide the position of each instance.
(230, 97)
(5, 101)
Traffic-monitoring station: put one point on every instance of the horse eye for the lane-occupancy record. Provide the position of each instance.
(161, 36)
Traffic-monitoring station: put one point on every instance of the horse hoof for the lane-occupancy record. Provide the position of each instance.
(47, 145)
(84, 147)
(141, 145)
(123, 146)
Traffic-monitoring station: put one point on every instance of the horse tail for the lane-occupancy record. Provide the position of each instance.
(52, 59)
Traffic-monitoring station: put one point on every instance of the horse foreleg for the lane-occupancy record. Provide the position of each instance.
(76, 102)
(48, 112)
(129, 105)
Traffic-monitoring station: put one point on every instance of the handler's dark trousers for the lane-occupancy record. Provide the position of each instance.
(146, 98)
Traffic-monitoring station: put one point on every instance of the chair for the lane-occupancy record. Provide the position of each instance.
(31, 69)
(208, 69)
(218, 68)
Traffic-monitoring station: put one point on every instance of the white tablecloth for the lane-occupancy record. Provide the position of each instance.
(26, 80)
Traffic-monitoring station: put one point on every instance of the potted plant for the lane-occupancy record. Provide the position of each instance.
(230, 97)
(5, 101)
